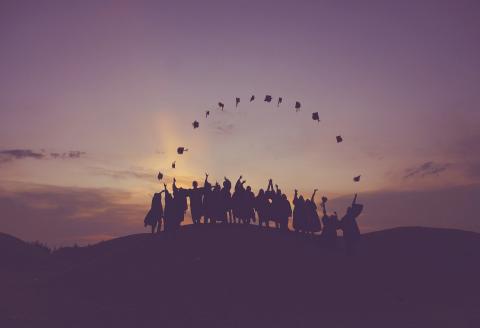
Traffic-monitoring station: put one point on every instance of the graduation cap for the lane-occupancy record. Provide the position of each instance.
(237, 100)
(339, 139)
(280, 99)
(268, 98)
(195, 124)
(252, 98)
(173, 165)
(357, 178)
(207, 112)
(180, 150)
(315, 117)
(297, 106)
(160, 176)
(221, 105)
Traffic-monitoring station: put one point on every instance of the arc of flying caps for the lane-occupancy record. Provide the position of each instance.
(280, 99)
(173, 165)
(180, 150)
(237, 101)
(268, 98)
(195, 124)
(221, 105)
(316, 117)
(160, 176)
(357, 178)
(207, 112)
(252, 98)
(297, 106)
(339, 139)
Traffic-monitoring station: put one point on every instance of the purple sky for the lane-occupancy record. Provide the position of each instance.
(121, 82)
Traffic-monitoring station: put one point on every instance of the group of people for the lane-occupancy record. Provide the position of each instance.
(217, 204)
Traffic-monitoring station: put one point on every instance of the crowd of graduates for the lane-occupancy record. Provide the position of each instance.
(213, 204)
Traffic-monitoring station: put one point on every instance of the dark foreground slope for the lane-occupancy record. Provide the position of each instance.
(233, 276)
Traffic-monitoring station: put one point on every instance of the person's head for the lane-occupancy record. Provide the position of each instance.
(284, 197)
(249, 188)
(261, 192)
(301, 199)
(195, 184)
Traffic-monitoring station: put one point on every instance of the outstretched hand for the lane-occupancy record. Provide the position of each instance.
(174, 180)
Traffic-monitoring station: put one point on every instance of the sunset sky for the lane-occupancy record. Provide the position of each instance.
(95, 97)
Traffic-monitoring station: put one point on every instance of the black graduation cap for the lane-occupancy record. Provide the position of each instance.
(268, 98)
(221, 105)
(357, 178)
(207, 112)
(160, 176)
(195, 124)
(315, 117)
(297, 106)
(173, 165)
(237, 100)
(180, 150)
(252, 98)
(280, 99)
(339, 139)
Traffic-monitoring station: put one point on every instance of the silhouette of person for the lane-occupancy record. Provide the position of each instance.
(226, 201)
(313, 221)
(349, 226)
(196, 202)
(180, 201)
(299, 213)
(238, 201)
(330, 225)
(207, 201)
(169, 212)
(270, 195)
(285, 211)
(154, 216)
(249, 203)
(261, 206)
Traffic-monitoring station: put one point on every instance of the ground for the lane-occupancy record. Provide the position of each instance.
(237, 276)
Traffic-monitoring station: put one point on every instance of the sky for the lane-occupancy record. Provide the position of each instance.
(95, 97)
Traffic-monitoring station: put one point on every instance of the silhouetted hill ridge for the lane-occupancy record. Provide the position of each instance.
(237, 276)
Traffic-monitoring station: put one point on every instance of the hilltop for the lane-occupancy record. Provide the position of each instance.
(237, 276)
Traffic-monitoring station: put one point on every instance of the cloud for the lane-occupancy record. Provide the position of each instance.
(15, 154)
(122, 174)
(67, 215)
(224, 129)
(9, 155)
(452, 207)
(425, 169)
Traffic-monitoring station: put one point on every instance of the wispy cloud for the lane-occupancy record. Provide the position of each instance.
(65, 215)
(425, 169)
(122, 174)
(9, 155)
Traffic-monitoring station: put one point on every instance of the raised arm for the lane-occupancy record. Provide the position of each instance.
(270, 185)
(354, 199)
(313, 196)
(238, 183)
(175, 189)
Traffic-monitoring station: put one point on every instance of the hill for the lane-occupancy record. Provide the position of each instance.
(236, 276)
